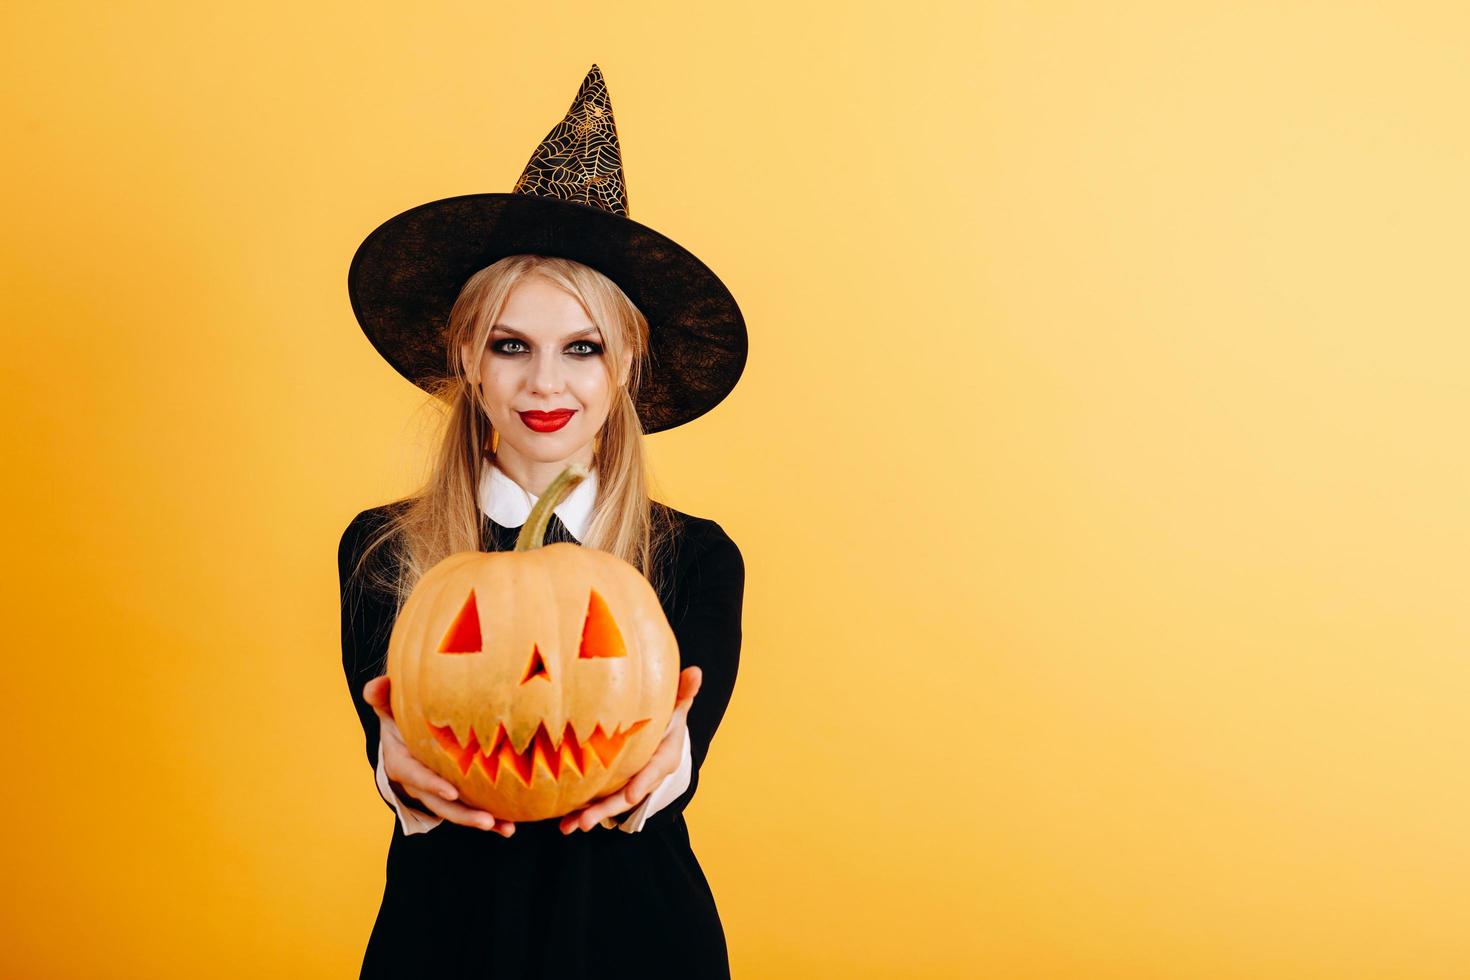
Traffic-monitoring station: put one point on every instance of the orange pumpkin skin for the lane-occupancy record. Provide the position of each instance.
(535, 681)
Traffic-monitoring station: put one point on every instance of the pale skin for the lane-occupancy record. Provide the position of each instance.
(543, 354)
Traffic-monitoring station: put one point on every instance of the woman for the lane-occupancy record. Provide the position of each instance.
(546, 360)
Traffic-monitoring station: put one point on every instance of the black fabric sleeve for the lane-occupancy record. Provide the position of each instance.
(367, 623)
(707, 626)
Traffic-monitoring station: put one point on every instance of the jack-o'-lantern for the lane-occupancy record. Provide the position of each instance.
(534, 680)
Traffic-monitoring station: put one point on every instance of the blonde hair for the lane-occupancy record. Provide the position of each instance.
(443, 516)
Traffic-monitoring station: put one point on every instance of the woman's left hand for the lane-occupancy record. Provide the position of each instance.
(664, 761)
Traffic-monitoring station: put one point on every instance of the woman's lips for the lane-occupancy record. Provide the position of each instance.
(547, 421)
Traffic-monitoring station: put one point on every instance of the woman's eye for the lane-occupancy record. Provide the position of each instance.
(594, 349)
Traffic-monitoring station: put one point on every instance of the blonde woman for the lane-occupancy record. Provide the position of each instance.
(543, 360)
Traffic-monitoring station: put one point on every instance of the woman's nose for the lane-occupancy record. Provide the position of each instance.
(546, 375)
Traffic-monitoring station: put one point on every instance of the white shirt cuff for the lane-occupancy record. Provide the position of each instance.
(412, 821)
(670, 788)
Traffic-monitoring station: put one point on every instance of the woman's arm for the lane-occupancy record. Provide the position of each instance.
(708, 627)
(367, 623)
(709, 585)
(665, 792)
(367, 626)
(412, 816)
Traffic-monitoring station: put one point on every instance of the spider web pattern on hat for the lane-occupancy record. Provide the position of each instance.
(579, 159)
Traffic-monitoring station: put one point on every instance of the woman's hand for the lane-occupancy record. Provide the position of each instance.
(417, 779)
(664, 761)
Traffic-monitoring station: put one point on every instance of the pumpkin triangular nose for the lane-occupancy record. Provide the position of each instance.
(537, 666)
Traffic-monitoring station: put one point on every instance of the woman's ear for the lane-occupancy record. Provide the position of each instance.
(471, 371)
(627, 365)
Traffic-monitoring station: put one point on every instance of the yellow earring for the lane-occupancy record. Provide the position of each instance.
(494, 441)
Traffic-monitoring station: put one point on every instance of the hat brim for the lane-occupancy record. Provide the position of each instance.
(406, 275)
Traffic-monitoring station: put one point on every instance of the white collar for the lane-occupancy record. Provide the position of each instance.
(509, 504)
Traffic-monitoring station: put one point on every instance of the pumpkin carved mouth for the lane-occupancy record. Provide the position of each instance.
(554, 755)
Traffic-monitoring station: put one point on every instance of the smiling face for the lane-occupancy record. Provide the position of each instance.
(544, 355)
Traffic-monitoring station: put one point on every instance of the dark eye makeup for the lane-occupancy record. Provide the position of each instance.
(596, 348)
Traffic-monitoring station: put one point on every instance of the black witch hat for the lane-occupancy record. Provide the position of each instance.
(571, 201)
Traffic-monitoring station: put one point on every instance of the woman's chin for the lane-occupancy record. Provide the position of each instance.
(550, 447)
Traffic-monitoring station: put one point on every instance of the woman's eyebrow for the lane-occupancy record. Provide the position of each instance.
(516, 333)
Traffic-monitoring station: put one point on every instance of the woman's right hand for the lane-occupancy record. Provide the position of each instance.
(418, 780)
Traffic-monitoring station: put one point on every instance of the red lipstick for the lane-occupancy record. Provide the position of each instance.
(547, 421)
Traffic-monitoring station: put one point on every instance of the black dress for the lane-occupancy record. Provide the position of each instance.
(464, 902)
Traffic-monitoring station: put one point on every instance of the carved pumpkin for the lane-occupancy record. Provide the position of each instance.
(534, 680)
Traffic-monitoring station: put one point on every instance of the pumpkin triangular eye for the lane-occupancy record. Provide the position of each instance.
(537, 666)
(464, 635)
(600, 636)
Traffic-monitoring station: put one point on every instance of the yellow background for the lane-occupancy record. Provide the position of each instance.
(1099, 469)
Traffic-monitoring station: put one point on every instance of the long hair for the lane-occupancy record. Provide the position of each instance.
(443, 516)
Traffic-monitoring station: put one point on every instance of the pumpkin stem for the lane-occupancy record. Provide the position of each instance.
(533, 533)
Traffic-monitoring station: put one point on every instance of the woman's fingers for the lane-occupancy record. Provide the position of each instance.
(388, 732)
(664, 761)
(689, 680)
(609, 806)
(439, 795)
(402, 767)
(377, 694)
(461, 814)
(418, 780)
(436, 792)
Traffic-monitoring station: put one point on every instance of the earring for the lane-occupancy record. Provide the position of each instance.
(494, 441)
